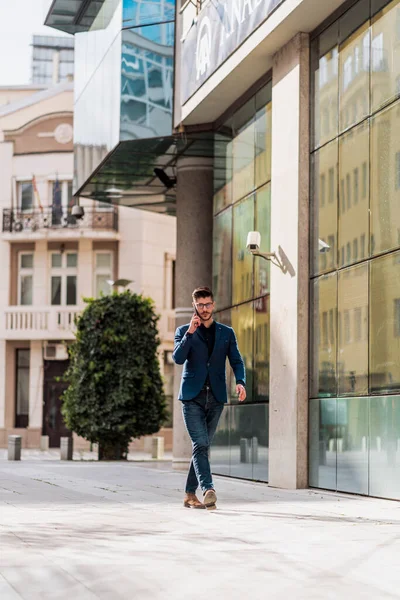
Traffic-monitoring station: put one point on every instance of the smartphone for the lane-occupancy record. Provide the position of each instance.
(197, 314)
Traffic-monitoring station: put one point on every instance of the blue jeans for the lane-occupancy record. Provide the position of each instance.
(201, 416)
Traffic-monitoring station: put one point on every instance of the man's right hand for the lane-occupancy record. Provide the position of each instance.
(194, 324)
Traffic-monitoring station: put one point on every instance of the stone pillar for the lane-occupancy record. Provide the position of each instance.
(85, 270)
(194, 205)
(40, 277)
(288, 437)
(3, 378)
(36, 386)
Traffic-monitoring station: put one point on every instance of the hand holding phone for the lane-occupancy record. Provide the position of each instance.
(194, 323)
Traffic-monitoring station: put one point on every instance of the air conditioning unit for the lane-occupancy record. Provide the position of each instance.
(55, 352)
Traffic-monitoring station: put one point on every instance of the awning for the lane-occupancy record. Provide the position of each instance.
(73, 16)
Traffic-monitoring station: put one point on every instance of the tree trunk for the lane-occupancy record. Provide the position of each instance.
(111, 451)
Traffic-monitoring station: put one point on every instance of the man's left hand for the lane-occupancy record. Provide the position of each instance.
(241, 392)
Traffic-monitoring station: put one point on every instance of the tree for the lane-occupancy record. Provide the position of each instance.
(115, 388)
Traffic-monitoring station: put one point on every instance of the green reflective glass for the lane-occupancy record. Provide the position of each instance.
(222, 258)
(243, 324)
(384, 454)
(243, 261)
(385, 66)
(322, 441)
(263, 225)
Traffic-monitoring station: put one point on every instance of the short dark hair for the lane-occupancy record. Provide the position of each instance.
(202, 292)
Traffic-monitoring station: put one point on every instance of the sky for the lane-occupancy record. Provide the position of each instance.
(19, 21)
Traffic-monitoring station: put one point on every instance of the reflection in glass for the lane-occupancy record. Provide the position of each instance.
(243, 261)
(243, 325)
(384, 324)
(324, 208)
(225, 318)
(326, 86)
(353, 331)
(56, 290)
(263, 136)
(102, 287)
(220, 448)
(322, 443)
(354, 63)
(352, 445)
(261, 350)
(249, 442)
(385, 180)
(263, 225)
(26, 298)
(323, 336)
(56, 260)
(354, 214)
(144, 12)
(223, 158)
(71, 290)
(385, 65)
(384, 454)
(244, 150)
(222, 258)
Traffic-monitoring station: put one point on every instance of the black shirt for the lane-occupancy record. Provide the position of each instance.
(208, 334)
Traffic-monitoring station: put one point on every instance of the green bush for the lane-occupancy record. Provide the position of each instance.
(115, 388)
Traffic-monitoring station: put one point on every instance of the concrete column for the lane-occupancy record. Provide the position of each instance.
(36, 386)
(288, 454)
(85, 270)
(3, 373)
(194, 202)
(40, 278)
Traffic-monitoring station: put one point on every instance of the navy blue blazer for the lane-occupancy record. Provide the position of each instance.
(191, 351)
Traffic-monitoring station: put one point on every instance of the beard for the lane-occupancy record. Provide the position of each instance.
(206, 316)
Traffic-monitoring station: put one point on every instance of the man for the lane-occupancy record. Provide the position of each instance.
(202, 347)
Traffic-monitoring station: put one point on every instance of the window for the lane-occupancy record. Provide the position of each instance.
(103, 272)
(355, 249)
(347, 72)
(397, 317)
(348, 252)
(397, 175)
(22, 358)
(343, 195)
(347, 335)
(355, 174)
(331, 185)
(357, 324)
(325, 338)
(322, 190)
(25, 196)
(378, 62)
(25, 279)
(62, 201)
(364, 180)
(348, 189)
(63, 281)
(362, 246)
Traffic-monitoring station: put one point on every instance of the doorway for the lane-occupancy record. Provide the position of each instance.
(53, 422)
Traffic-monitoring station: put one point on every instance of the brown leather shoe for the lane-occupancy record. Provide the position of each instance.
(191, 501)
(210, 500)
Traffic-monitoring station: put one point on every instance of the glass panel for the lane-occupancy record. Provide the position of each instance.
(102, 287)
(72, 260)
(263, 225)
(222, 258)
(322, 443)
(249, 442)
(223, 158)
(26, 298)
(352, 445)
(324, 208)
(26, 196)
(56, 261)
(323, 336)
(243, 261)
(385, 65)
(144, 12)
(22, 407)
(353, 201)
(326, 86)
(385, 324)
(263, 138)
(23, 358)
(244, 151)
(243, 325)
(225, 318)
(385, 180)
(70, 197)
(384, 456)
(353, 331)
(354, 63)
(71, 290)
(220, 448)
(26, 261)
(261, 350)
(103, 261)
(56, 291)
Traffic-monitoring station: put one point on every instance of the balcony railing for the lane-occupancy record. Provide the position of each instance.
(17, 221)
(51, 322)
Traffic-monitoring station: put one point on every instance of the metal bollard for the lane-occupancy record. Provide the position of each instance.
(157, 447)
(244, 450)
(44, 443)
(14, 447)
(66, 448)
(254, 450)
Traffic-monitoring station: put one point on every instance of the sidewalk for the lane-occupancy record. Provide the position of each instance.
(54, 454)
(88, 530)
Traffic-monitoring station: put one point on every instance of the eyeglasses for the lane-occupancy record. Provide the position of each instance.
(203, 306)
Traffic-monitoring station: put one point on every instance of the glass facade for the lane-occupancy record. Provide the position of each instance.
(355, 283)
(242, 191)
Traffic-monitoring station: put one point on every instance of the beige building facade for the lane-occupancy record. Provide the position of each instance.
(50, 262)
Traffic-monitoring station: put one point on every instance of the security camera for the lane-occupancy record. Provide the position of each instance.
(78, 211)
(253, 241)
(323, 246)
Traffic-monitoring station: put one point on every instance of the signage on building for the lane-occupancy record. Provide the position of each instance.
(220, 29)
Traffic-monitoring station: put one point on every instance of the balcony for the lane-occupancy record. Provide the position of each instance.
(42, 323)
(54, 222)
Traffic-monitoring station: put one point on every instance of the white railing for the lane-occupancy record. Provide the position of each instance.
(26, 322)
